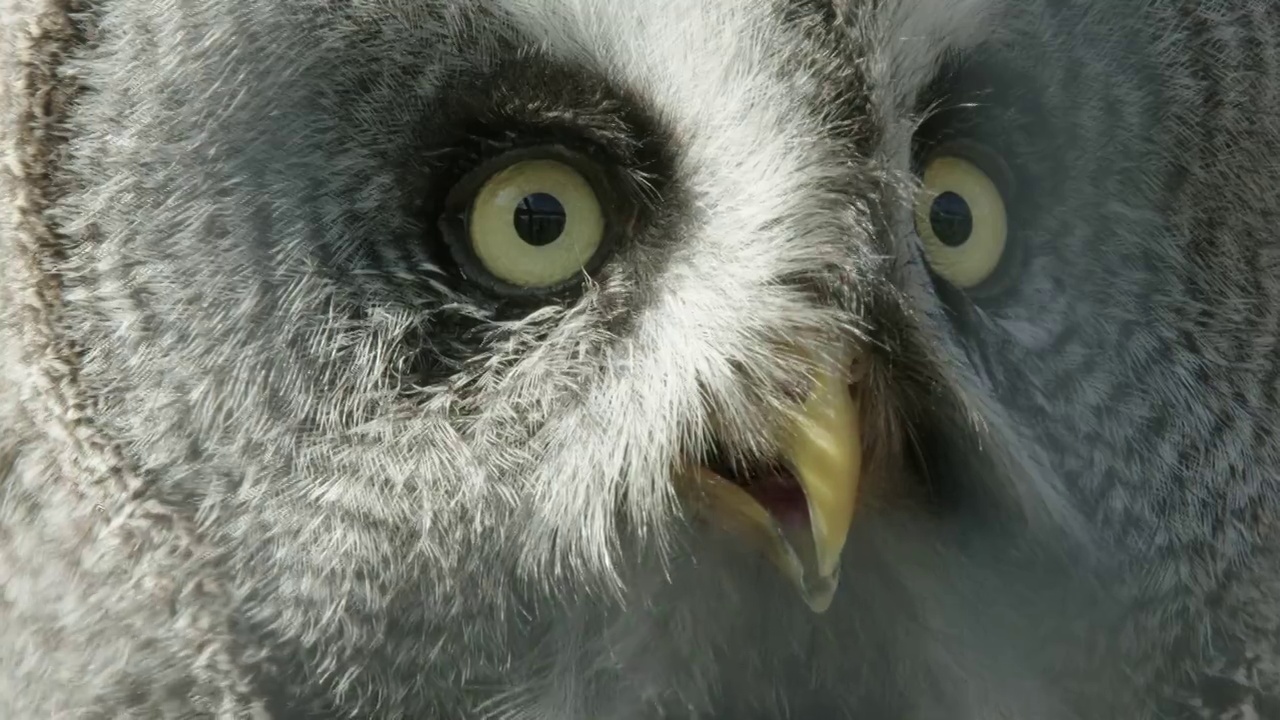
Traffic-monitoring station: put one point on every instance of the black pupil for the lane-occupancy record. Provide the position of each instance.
(951, 219)
(539, 219)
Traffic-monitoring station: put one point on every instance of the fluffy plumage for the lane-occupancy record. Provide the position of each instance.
(265, 454)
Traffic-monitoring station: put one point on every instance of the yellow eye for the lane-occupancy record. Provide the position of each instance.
(960, 217)
(536, 224)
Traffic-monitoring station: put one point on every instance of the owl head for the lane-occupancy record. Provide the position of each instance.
(414, 302)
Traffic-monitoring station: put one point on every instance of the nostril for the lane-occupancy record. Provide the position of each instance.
(797, 388)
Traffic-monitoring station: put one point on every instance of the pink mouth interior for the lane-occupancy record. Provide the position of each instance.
(774, 486)
(778, 491)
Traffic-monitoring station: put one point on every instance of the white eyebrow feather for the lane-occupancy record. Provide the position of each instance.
(921, 32)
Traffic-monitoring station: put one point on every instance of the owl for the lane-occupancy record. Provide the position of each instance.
(639, 359)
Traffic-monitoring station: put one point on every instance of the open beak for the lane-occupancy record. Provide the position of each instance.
(823, 450)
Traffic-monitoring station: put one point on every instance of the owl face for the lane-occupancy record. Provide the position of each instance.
(439, 295)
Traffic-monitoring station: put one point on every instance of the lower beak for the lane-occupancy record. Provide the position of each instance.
(823, 449)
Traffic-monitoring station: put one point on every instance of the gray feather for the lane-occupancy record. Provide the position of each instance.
(262, 454)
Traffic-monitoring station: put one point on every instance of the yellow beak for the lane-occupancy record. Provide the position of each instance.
(824, 451)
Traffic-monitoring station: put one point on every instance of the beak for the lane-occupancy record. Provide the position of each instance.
(823, 450)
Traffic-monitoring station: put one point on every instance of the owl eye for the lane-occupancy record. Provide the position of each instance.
(533, 225)
(961, 219)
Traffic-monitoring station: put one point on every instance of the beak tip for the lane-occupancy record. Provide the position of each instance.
(819, 592)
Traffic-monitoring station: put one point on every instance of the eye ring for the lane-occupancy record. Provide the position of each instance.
(962, 221)
(533, 222)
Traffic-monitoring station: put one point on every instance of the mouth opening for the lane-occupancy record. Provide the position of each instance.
(773, 484)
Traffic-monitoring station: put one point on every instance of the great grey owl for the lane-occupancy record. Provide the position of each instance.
(639, 359)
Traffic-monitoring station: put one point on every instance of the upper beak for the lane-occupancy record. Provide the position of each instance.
(823, 449)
